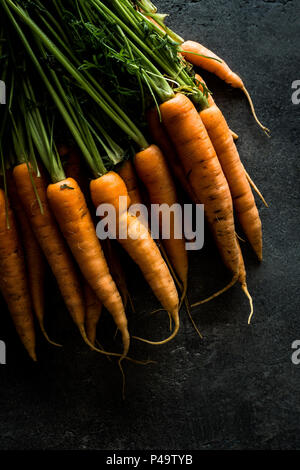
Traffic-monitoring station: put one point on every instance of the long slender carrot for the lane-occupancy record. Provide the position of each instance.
(241, 192)
(202, 57)
(153, 171)
(13, 279)
(138, 243)
(35, 261)
(203, 169)
(51, 242)
(69, 207)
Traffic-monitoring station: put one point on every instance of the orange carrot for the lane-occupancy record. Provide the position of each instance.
(243, 199)
(69, 207)
(203, 169)
(202, 57)
(13, 279)
(139, 244)
(51, 241)
(35, 261)
(155, 175)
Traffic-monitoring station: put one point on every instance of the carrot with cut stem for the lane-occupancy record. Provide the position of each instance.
(35, 261)
(242, 196)
(204, 172)
(138, 243)
(13, 278)
(154, 173)
(202, 57)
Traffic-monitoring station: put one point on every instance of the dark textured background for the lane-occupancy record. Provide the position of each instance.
(237, 388)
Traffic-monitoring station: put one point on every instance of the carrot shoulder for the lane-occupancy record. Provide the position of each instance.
(13, 278)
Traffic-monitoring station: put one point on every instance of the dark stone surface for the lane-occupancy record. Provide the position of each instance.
(237, 388)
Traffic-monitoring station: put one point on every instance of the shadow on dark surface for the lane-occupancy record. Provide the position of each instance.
(237, 388)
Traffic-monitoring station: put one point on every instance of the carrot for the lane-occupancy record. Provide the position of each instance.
(155, 175)
(69, 207)
(138, 244)
(51, 241)
(13, 278)
(35, 261)
(202, 57)
(161, 139)
(203, 169)
(93, 309)
(127, 173)
(243, 199)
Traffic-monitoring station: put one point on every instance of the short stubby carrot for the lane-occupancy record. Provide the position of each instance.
(51, 240)
(243, 200)
(69, 206)
(139, 244)
(203, 170)
(154, 173)
(202, 57)
(13, 278)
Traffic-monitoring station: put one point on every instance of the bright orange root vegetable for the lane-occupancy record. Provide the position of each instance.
(13, 278)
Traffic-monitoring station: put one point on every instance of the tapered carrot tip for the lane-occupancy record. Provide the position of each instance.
(264, 128)
(245, 289)
(47, 337)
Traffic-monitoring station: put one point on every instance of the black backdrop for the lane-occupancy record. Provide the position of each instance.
(237, 388)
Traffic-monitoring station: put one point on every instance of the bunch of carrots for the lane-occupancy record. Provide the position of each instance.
(104, 101)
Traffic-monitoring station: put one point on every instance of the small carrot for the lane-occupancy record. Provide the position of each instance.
(35, 261)
(243, 199)
(202, 57)
(203, 170)
(139, 245)
(154, 173)
(13, 278)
